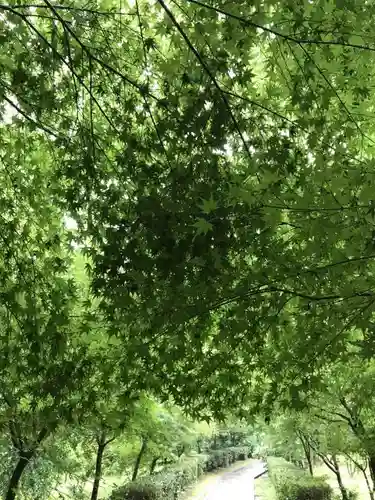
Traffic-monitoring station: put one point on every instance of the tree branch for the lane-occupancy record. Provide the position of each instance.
(102, 63)
(290, 38)
(67, 8)
(208, 71)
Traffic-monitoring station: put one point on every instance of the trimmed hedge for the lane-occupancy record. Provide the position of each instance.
(223, 458)
(165, 485)
(169, 483)
(293, 483)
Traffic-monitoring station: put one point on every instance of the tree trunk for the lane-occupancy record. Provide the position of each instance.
(343, 490)
(139, 458)
(307, 449)
(369, 487)
(153, 464)
(332, 464)
(362, 467)
(98, 466)
(359, 430)
(14, 482)
(351, 468)
(371, 464)
(199, 448)
(309, 461)
(24, 457)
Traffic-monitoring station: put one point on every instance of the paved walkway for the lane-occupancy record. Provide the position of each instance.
(237, 484)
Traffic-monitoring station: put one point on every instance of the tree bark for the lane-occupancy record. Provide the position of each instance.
(307, 450)
(332, 464)
(14, 482)
(369, 487)
(309, 461)
(359, 430)
(371, 465)
(139, 458)
(98, 468)
(24, 457)
(362, 468)
(102, 443)
(153, 464)
(343, 490)
(351, 468)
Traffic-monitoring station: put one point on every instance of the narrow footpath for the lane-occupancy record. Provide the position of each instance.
(237, 484)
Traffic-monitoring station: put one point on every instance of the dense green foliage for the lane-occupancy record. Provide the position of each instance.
(186, 232)
(292, 483)
(219, 170)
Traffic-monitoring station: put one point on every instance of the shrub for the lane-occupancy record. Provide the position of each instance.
(169, 483)
(217, 459)
(293, 483)
(222, 458)
(352, 494)
(201, 464)
(166, 485)
(242, 452)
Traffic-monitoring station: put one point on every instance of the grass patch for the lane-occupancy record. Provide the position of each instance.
(293, 483)
(355, 482)
(264, 489)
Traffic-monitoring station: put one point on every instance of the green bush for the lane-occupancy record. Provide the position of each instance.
(169, 483)
(201, 464)
(293, 483)
(166, 485)
(227, 456)
(242, 452)
(217, 459)
(352, 494)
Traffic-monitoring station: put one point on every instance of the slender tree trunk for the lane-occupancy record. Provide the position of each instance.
(332, 464)
(309, 461)
(98, 466)
(24, 457)
(14, 482)
(153, 464)
(343, 490)
(199, 448)
(369, 487)
(371, 465)
(359, 430)
(351, 468)
(308, 452)
(362, 467)
(139, 458)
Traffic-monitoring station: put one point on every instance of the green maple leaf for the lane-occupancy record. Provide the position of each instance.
(150, 43)
(208, 206)
(202, 226)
